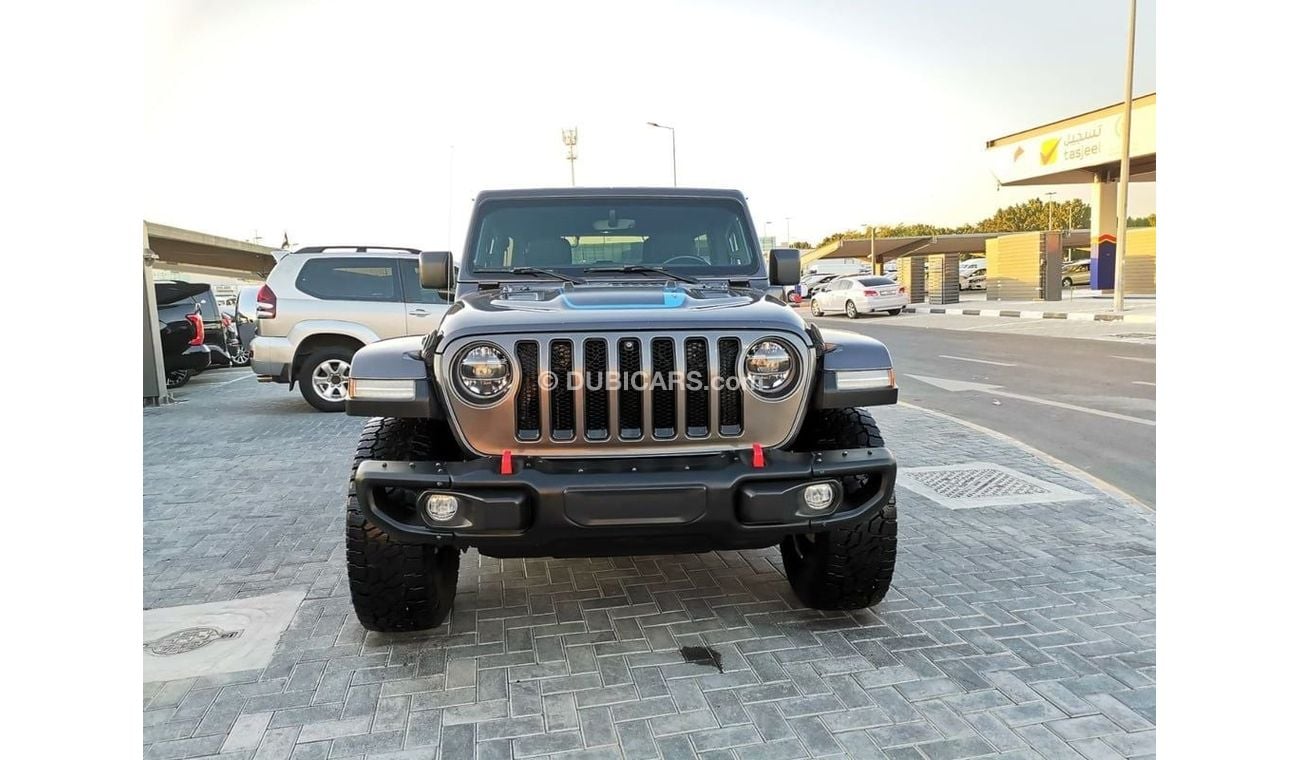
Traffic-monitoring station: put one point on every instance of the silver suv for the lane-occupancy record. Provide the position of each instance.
(322, 303)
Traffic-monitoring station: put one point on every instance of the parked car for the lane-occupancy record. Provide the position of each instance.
(1077, 273)
(238, 350)
(246, 316)
(320, 304)
(972, 274)
(181, 332)
(858, 295)
(657, 401)
(198, 296)
(807, 286)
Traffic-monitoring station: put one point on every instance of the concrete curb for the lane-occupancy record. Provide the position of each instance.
(1079, 316)
(1113, 492)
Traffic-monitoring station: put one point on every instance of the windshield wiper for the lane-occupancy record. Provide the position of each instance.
(531, 270)
(637, 268)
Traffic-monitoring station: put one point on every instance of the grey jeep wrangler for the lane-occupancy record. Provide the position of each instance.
(618, 375)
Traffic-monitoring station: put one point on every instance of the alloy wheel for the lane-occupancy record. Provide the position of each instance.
(330, 379)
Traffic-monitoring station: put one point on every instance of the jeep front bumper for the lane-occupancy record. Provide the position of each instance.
(601, 507)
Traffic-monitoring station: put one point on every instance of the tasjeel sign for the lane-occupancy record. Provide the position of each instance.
(1080, 146)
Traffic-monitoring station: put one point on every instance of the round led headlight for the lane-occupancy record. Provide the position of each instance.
(482, 373)
(770, 367)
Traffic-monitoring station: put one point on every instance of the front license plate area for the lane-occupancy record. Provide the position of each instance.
(648, 505)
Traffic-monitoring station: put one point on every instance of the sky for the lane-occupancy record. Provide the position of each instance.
(377, 122)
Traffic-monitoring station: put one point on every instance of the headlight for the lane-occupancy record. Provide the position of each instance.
(770, 367)
(482, 372)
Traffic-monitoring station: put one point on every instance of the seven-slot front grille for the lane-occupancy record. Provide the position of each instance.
(627, 388)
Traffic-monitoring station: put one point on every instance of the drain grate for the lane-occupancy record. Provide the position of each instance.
(981, 484)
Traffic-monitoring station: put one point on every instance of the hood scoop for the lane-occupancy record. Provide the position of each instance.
(623, 298)
(616, 297)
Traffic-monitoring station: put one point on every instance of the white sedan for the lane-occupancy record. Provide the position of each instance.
(860, 295)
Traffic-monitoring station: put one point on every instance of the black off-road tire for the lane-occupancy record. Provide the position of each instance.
(843, 568)
(397, 586)
(309, 365)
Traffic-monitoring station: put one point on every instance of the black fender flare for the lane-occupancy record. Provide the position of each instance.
(844, 351)
(395, 359)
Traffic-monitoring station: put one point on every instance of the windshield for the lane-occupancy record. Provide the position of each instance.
(693, 236)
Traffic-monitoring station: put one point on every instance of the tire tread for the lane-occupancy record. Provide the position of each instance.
(849, 568)
(396, 586)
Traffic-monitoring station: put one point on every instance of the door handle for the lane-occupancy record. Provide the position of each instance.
(418, 313)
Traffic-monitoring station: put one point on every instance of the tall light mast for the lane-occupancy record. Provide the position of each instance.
(571, 141)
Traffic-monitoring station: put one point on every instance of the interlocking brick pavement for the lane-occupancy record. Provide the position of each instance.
(1024, 631)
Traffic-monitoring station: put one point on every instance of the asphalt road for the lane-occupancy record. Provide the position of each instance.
(1088, 402)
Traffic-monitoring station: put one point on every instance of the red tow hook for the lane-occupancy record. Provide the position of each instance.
(759, 462)
(507, 463)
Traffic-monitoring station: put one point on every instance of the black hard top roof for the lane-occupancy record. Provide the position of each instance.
(611, 192)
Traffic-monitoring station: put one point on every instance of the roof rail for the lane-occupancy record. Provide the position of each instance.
(356, 248)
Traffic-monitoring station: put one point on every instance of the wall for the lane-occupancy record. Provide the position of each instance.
(911, 275)
(1013, 266)
(1140, 261)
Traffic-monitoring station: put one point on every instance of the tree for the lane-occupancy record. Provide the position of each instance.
(1031, 215)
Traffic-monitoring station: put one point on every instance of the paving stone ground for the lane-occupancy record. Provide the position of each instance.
(1024, 631)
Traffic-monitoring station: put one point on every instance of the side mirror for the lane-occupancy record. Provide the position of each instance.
(783, 266)
(435, 270)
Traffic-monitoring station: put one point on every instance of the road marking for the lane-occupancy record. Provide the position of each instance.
(959, 386)
(1143, 382)
(245, 377)
(1134, 358)
(978, 361)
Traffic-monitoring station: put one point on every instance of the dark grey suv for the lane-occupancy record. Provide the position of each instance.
(617, 375)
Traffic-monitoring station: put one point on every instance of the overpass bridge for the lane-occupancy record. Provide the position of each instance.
(196, 252)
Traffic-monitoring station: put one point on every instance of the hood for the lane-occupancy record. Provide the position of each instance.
(562, 307)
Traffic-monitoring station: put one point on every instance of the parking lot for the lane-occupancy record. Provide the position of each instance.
(1025, 629)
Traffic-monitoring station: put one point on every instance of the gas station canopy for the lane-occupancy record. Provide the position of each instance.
(1078, 149)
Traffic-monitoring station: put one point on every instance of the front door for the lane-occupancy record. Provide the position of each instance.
(424, 307)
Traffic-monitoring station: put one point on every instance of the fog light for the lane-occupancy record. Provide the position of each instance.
(818, 496)
(441, 507)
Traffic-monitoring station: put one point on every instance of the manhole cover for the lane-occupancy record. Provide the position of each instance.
(187, 640)
(981, 484)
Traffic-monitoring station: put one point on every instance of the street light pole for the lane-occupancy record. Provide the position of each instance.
(673, 131)
(1050, 199)
(1122, 201)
